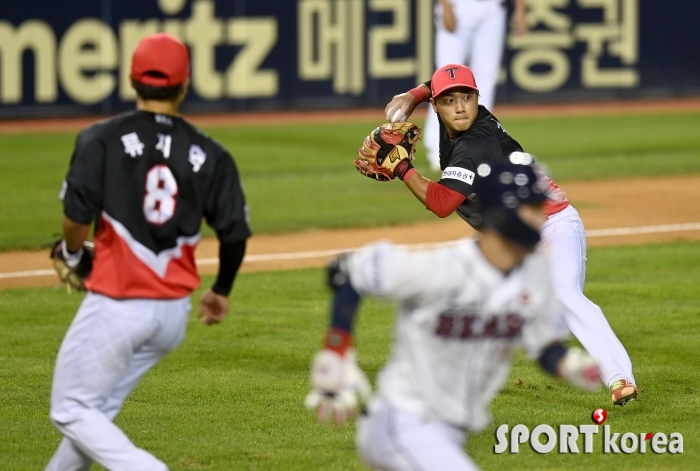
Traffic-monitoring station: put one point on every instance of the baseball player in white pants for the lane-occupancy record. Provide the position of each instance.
(471, 135)
(462, 310)
(146, 179)
(109, 346)
(564, 239)
(471, 32)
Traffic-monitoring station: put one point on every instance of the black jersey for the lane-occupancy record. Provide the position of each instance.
(486, 141)
(148, 180)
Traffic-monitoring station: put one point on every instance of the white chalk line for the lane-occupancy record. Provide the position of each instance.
(275, 257)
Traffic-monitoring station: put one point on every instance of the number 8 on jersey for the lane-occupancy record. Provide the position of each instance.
(161, 188)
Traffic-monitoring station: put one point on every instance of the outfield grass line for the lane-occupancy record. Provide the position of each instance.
(27, 274)
(692, 226)
(617, 231)
(276, 257)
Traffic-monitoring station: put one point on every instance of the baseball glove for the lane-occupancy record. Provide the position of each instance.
(387, 152)
(72, 269)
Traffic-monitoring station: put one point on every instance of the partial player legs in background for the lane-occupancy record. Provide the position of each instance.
(566, 245)
(109, 347)
(487, 52)
(477, 43)
(431, 140)
(393, 440)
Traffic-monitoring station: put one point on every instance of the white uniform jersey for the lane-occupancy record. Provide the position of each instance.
(459, 319)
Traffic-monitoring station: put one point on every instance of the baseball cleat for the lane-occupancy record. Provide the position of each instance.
(622, 392)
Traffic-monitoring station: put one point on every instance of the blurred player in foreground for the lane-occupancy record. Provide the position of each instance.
(461, 312)
(147, 178)
(470, 136)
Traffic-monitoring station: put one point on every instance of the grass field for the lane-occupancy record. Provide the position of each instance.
(303, 178)
(231, 396)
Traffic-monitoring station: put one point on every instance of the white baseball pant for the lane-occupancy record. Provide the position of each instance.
(477, 43)
(389, 439)
(565, 239)
(108, 348)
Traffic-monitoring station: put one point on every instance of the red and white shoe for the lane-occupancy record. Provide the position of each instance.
(622, 392)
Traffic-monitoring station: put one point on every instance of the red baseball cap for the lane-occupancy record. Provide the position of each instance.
(160, 60)
(451, 76)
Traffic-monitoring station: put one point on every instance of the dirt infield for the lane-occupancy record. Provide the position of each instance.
(645, 203)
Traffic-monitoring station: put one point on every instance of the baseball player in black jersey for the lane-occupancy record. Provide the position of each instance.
(470, 138)
(146, 179)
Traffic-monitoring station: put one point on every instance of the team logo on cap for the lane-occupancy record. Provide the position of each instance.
(452, 71)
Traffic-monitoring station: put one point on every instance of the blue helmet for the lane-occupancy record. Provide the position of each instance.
(501, 188)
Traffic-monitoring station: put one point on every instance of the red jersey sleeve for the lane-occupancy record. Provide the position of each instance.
(442, 200)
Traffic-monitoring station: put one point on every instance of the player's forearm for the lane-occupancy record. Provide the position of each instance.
(230, 259)
(421, 93)
(346, 301)
(519, 5)
(418, 185)
(344, 308)
(74, 234)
